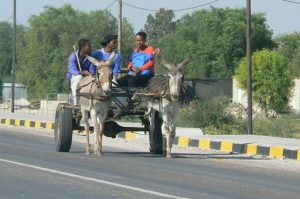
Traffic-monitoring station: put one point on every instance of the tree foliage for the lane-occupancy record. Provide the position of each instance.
(272, 79)
(160, 24)
(1, 88)
(289, 46)
(49, 41)
(6, 47)
(216, 39)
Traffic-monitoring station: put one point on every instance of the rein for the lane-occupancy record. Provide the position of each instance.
(88, 83)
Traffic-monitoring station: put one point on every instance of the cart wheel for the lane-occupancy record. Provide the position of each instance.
(63, 129)
(155, 135)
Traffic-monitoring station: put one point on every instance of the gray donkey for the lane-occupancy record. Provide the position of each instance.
(97, 101)
(170, 90)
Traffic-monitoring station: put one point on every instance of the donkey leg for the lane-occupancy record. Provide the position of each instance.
(101, 133)
(97, 147)
(97, 132)
(171, 139)
(101, 117)
(166, 140)
(86, 127)
(171, 118)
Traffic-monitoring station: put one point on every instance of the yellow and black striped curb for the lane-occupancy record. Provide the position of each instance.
(183, 141)
(128, 135)
(27, 123)
(241, 148)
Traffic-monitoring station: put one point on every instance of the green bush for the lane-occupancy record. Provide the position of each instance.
(275, 127)
(210, 116)
(272, 80)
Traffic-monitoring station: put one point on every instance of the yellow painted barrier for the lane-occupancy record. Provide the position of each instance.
(48, 125)
(27, 123)
(204, 144)
(7, 121)
(251, 149)
(276, 151)
(17, 122)
(183, 141)
(130, 135)
(37, 124)
(226, 146)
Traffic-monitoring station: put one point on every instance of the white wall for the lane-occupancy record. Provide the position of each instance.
(240, 96)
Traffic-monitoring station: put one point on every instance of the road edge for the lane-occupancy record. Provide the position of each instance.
(184, 141)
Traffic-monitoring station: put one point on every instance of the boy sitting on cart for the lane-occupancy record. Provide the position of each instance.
(141, 65)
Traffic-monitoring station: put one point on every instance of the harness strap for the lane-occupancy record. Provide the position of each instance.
(84, 85)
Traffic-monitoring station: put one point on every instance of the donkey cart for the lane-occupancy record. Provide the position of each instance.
(68, 118)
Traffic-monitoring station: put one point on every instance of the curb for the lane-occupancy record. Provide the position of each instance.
(128, 135)
(242, 148)
(27, 123)
(183, 141)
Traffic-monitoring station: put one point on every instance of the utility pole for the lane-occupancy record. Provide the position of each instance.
(13, 59)
(120, 25)
(249, 66)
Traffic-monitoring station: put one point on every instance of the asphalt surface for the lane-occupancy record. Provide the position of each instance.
(31, 168)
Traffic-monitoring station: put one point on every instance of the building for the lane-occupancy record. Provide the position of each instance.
(20, 91)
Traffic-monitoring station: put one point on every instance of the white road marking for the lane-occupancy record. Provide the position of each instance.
(92, 179)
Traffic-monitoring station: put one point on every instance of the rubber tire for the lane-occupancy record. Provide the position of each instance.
(155, 135)
(63, 129)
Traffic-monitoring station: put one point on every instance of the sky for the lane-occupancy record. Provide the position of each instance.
(282, 16)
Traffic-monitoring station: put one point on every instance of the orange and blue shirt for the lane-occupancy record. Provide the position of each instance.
(143, 60)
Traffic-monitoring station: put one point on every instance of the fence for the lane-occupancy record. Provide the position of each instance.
(207, 88)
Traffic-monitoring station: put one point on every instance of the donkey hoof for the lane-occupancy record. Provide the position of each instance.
(87, 150)
(168, 155)
(98, 153)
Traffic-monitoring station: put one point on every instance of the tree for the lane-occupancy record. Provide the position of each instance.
(159, 25)
(216, 39)
(1, 87)
(289, 46)
(6, 47)
(272, 79)
(49, 41)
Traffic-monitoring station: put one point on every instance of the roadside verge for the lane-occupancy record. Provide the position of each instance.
(248, 146)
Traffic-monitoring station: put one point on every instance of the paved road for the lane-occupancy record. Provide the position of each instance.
(30, 168)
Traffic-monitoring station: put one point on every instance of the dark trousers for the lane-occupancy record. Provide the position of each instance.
(135, 81)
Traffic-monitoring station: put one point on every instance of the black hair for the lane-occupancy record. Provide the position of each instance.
(82, 43)
(142, 34)
(107, 39)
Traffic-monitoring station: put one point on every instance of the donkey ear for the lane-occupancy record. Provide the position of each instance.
(184, 62)
(94, 61)
(166, 64)
(111, 57)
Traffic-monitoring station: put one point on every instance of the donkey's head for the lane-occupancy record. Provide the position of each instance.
(105, 79)
(104, 73)
(175, 77)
